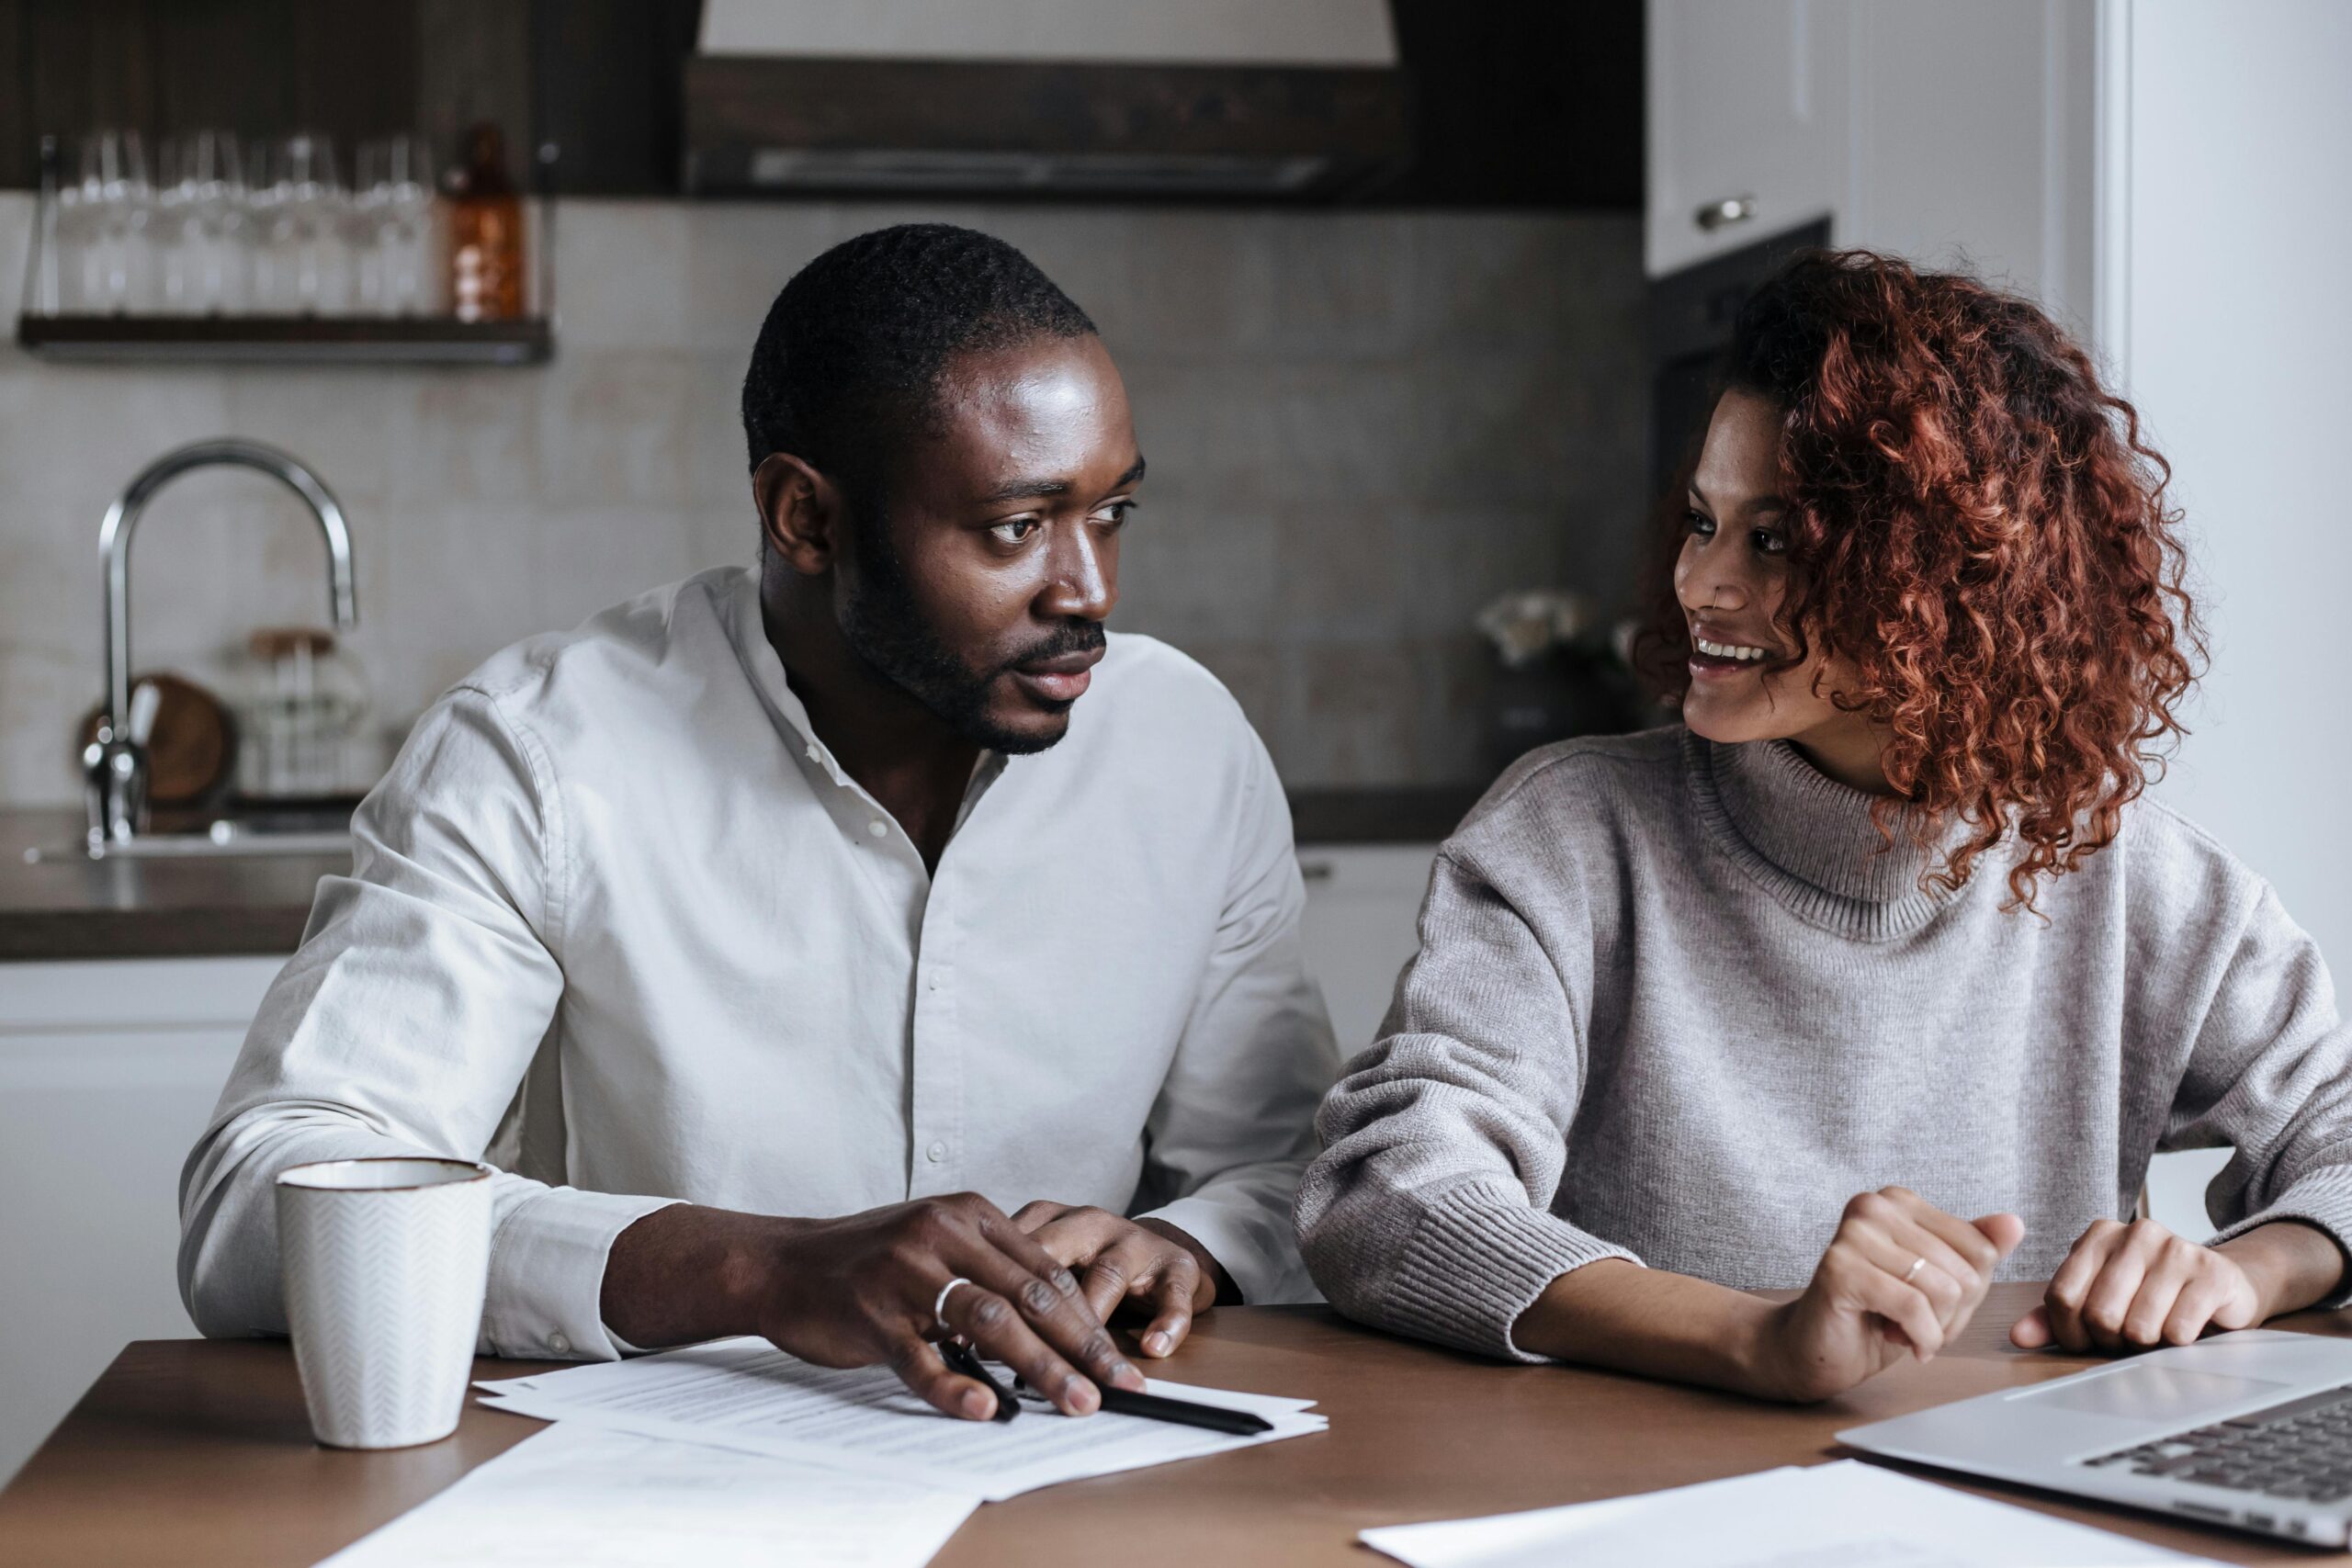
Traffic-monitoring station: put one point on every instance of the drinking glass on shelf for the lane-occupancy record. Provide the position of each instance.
(392, 227)
(102, 227)
(74, 284)
(302, 262)
(199, 226)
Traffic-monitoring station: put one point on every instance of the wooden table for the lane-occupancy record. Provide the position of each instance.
(193, 1453)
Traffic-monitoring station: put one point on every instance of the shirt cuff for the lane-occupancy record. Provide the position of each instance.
(547, 1274)
(1478, 1260)
(1257, 1248)
(2322, 1198)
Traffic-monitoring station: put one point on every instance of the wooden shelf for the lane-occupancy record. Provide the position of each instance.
(287, 340)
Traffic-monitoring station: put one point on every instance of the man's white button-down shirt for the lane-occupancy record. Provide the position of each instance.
(617, 918)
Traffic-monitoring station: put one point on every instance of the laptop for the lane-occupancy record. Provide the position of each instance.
(2251, 1429)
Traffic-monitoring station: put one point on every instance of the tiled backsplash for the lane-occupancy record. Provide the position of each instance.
(1361, 428)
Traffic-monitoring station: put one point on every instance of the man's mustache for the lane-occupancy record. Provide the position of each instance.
(1076, 636)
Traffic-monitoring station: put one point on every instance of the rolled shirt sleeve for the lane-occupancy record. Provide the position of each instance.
(1430, 1211)
(1232, 1128)
(2270, 1076)
(404, 1025)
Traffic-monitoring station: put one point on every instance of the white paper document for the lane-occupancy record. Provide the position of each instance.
(1844, 1515)
(582, 1496)
(747, 1393)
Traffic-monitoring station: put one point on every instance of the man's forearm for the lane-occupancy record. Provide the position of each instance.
(684, 1274)
(1620, 1315)
(2290, 1264)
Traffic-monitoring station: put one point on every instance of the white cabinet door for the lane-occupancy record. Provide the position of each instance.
(1948, 134)
(1748, 100)
(108, 1071)
(1363, 903)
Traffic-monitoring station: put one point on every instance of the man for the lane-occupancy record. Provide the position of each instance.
(815, 893)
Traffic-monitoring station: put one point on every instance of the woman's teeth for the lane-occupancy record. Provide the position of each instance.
(1727, 649)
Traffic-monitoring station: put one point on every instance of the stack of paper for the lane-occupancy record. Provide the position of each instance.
(591, 1497)
(1832, 1516)
(747, 1394)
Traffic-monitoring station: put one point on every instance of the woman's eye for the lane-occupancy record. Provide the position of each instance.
(1018, 529)
(1769, 543)
(1699, 523)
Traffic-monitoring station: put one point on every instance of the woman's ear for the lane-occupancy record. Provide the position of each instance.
(801, 513)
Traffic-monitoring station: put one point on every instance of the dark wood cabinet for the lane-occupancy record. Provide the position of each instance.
(1517, 102)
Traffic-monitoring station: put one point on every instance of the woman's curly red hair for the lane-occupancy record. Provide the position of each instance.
(1977, 528)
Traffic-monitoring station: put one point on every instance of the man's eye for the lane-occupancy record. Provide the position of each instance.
(1015, 531)
(1699, 523)
(1116, 513)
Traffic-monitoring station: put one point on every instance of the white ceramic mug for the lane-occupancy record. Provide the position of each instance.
(384, 1262)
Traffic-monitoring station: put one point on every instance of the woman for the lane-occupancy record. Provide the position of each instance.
(1881, 936)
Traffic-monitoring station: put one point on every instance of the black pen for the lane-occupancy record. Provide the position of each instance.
(1179, 1412)
(960, 1358)
(1184, 1412)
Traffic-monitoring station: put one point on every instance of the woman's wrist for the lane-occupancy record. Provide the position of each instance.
(1618, 1315)
(2289, 1263)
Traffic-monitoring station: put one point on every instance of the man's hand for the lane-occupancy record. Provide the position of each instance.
(2133, 1287)
(859, 1291)
(1901, 1276)
(1148, 1265)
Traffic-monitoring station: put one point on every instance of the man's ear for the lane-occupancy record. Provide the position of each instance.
(801, 514)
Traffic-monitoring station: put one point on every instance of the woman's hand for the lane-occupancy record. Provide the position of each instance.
(1901, 1276)
(2133, 1287)
(1146, 1266)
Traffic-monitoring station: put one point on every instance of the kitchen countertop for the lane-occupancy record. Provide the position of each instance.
(72, 907)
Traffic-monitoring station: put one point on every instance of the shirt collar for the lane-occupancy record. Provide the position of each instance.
(747, 630)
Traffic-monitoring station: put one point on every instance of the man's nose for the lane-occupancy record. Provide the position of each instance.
(1085, 579)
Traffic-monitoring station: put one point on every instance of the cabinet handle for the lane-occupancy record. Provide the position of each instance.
(1721, 214)
(1315, 871)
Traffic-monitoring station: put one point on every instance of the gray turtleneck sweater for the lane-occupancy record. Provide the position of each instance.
(1671, 1006)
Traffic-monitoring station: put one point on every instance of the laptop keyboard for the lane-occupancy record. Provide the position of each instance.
(2299, 1451)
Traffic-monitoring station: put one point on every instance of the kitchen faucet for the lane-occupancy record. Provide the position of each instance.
(115, 763)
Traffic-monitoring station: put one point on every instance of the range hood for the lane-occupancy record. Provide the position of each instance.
(1298, 99)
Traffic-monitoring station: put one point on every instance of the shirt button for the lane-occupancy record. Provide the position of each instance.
(932, 984)
(558, 1343)
(876, 830)
(936, 1153)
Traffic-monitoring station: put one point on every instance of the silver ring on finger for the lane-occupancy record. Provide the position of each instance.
(1913, 1272)
(939, 1306)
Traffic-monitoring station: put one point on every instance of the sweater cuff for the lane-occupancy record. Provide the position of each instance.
(547, 1274)
(2322, 1198)
(1479, 1257)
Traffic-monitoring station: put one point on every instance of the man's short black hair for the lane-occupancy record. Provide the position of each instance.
(849, 360)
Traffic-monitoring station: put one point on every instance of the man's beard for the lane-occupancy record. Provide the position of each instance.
(886, 629)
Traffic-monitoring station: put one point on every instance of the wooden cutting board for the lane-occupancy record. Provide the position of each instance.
(193, 745)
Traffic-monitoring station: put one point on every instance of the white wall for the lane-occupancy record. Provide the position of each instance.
(2226, 299)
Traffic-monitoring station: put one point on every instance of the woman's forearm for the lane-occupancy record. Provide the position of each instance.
(1620, 1315)
(2291, 1264)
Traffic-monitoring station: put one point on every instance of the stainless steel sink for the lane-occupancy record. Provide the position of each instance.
(278, 834)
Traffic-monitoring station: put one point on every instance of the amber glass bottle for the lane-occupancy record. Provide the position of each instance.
(485, 233)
